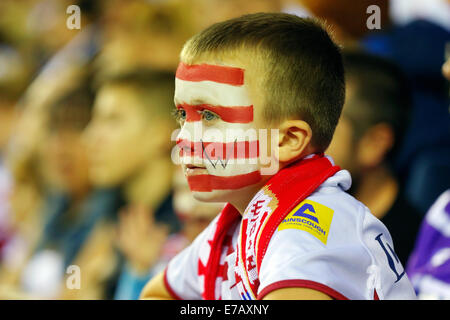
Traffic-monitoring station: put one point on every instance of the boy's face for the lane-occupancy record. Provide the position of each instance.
(220, 117)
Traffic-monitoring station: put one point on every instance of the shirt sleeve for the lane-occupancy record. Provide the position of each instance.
(294, 258)
(181, 275)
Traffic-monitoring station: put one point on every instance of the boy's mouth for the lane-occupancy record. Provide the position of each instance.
(191, 170)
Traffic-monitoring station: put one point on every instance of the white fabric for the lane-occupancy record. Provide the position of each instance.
(353, 262)
(406, 11)
(43, 275)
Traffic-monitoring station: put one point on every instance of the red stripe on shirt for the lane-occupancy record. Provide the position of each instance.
(301, 284)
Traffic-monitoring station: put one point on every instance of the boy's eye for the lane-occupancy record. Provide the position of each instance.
(179, 114)
(209, 115)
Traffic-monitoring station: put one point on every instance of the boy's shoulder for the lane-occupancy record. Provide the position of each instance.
(327, 218)
(332, 239)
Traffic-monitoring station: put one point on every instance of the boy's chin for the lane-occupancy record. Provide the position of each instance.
(213, 196)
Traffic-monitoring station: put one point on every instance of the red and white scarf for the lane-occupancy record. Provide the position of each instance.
(265, 212)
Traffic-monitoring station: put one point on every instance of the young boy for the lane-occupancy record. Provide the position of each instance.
(293, 233)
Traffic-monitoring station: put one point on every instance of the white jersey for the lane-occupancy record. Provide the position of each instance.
(356, 259)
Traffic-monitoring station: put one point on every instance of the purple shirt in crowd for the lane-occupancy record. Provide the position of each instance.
(429, 264)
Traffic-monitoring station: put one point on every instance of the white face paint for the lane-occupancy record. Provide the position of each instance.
(218, 140)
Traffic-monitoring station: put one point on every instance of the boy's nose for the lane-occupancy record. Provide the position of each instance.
(185, 145)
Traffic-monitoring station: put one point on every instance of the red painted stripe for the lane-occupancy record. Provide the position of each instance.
(209, 72)
(301, 284)
(232, 114)
(219, 150)
(206, 182)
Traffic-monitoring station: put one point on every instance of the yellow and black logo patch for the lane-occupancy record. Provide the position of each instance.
(311, 217)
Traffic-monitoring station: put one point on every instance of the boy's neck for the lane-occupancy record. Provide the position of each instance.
(246, 195)
(151, 184)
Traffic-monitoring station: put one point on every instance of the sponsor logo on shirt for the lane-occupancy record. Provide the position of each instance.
(311, 217)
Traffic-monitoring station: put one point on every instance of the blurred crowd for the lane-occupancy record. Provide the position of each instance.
(86, 176)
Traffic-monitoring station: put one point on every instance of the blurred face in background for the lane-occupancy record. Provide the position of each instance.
(67, 160)
(120, 138)
(64, 154)
(343, 146)
(359, 151)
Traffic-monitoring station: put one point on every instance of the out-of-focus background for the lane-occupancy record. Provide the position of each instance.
(91, 205)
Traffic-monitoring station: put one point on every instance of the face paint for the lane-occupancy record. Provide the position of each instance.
(209, 72)
(228, 114)
(219, 152)
(207, 182)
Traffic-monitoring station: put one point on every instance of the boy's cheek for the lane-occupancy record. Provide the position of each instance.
(258, 149)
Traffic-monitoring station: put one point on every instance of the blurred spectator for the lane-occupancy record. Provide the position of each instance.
(346, 18)
(60, 140)
(429, 265)
(25, 156)
(366, 141)
(416, 41)
(70, 212)
(129, 133)
(14, 75)
(129, 148)
(413, 35)
(64, 164)
(12, 82)
(446, 65)
(38, 27)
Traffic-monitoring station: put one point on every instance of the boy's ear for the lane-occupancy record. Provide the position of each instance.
(294, 140)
